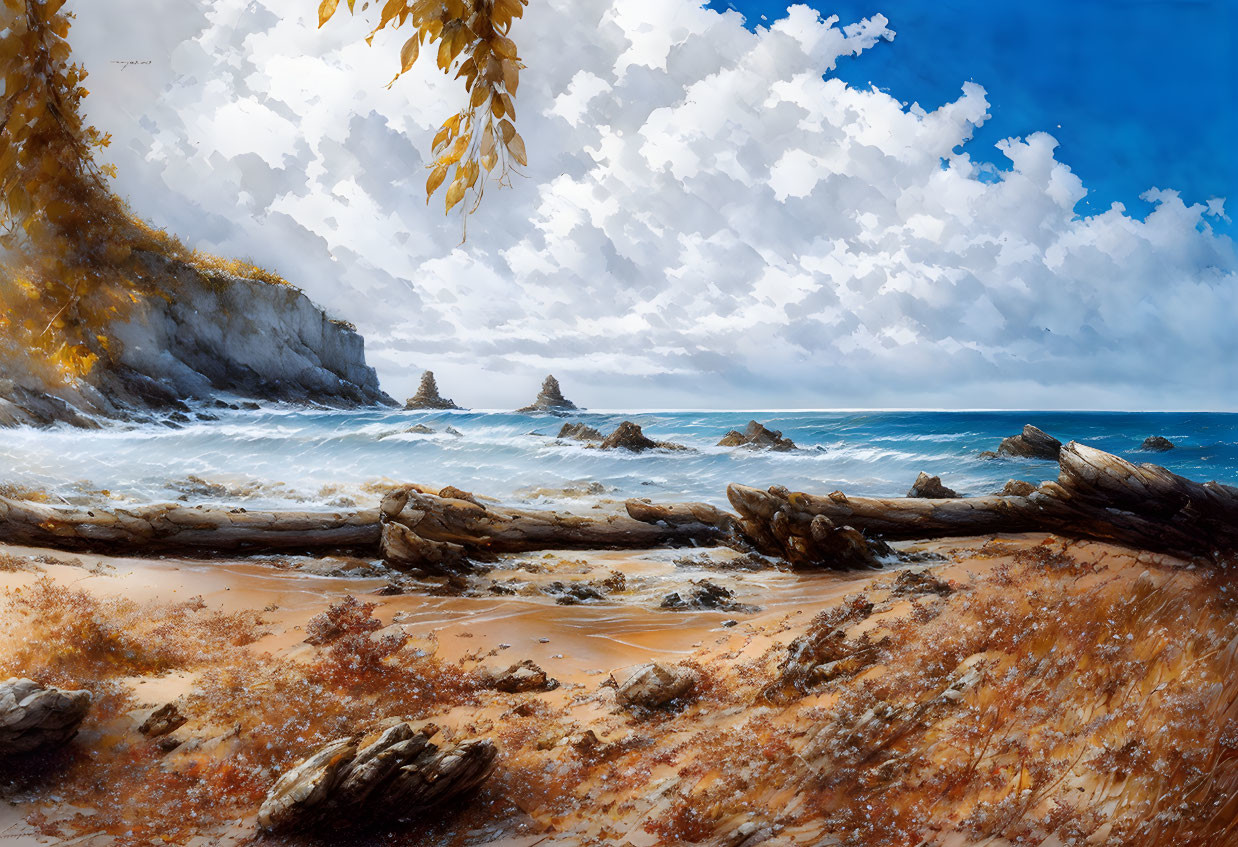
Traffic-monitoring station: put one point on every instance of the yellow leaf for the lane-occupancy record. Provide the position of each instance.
(326, 9)
(496, 107)
(436, 179)
(511, 75)
(508, 107)
(455, 193)
(408, 54)
(480, 93)
(515, 146)
(489, 160)
(503, 46)
(440, 139)
(508, 131)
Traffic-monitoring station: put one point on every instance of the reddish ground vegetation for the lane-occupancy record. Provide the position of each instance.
(1053, 699)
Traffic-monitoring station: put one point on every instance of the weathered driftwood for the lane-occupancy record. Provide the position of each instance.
(1096, 495)
(176, 527)
(400, 775)
(437, 533)
(33, 717)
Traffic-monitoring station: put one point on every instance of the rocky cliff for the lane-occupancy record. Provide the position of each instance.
(198, 335)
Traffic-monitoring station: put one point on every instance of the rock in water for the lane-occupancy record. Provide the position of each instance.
(1032, 443)
(1017, 488)
(400, 775)
(628, 436)
(427, 396)
(654, 685)
(757, 437)
(33, 717)
(550, 399)
(930, 488)
(580, 432)
(1157, 444)
(519, 678)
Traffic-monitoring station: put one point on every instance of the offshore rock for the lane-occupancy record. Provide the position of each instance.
(1032, 443)
(580, 432)
(757, 437)
(33, 717)
(1017, 488)
(398, 776)
(427, 396)
(628, 436)
(550, 399)
(1157, 444)
(654, 685)
(930, 488)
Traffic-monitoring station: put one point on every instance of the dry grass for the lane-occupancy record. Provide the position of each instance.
(1049, 701)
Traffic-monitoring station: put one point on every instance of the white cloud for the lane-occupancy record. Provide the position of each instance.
(706, 221)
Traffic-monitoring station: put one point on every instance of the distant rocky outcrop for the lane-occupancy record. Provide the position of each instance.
(550, 399)
(399, 775)
(34, 717)
(1032, 443)
(931, 488)
(199, 335)
(427, 396)
(628, 436)
(580, 432)
(757, 437)
(1157, 444)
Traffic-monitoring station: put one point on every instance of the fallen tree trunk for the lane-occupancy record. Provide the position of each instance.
(169, 527)
(435, 533)
(1096, 495)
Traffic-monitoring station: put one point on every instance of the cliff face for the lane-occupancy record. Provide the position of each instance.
(199, 334)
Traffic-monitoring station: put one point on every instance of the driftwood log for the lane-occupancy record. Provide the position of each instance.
(170, 527)
(439, 534)
(1096, 495)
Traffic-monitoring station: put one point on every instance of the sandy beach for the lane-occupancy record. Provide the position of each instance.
(754, 753)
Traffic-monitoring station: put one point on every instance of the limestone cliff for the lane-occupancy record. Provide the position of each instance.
(198, 335)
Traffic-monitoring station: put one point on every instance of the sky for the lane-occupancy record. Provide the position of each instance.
(972, 210)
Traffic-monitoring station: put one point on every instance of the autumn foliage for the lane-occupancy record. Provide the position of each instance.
(471, 38)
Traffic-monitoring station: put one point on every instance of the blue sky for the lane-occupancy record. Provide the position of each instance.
(707, 221)
(1145, 91)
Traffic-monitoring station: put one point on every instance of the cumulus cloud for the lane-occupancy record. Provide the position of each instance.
(707, 219)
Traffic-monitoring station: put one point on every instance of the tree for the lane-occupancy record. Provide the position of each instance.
(472, 39)
(73, 258)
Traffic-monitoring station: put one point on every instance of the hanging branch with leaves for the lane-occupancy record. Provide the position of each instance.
(472, 39)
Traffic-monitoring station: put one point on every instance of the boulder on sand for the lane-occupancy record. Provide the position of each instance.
(398, 776)
(427, 396)
(519, 678)
(550, 399)
(33, 717)
(1157, 444)
(653, 685)
(1032, 443)
(757, 437)
(930, 488)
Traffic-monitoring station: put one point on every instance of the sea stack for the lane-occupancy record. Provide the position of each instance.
(427, 396)
(550, 399)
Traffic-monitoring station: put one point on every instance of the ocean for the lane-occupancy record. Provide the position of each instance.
(322, 459)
